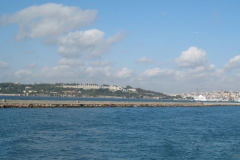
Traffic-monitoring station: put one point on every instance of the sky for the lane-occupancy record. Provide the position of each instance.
(167, 46)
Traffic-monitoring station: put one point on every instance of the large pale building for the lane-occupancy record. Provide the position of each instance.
(86, 86)
(89, 86)
(115, 88)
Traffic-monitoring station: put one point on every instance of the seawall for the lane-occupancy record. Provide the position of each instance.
(99, 104)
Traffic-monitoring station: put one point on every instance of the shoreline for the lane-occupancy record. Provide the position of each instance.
(103, 104)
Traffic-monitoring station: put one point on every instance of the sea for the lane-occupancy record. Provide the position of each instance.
(138, 133)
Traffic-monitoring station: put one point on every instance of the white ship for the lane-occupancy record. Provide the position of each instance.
(200, 98)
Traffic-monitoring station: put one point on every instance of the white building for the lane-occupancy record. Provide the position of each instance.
(83, 86)
(70, 86)
(105, 86)
(86, 86)
(89, 86)
(114, 88)
(132, 90)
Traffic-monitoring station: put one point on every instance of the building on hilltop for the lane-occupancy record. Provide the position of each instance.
(89, 86)
(114, 88)
(132, 90)
(105, 86)
(70, 86)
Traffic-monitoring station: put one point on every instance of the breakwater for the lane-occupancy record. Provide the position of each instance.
(99, 104)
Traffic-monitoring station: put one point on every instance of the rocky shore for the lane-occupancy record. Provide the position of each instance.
(99, 104)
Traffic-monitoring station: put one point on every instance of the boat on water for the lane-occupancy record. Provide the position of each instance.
(200, 98)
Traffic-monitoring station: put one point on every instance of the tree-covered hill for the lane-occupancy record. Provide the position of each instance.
(57, 89)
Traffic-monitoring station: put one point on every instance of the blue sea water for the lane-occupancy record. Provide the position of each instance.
(120, 133)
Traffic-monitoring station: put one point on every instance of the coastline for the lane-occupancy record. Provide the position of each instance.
(103, 104)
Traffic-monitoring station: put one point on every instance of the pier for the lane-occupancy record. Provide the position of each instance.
(102, 104)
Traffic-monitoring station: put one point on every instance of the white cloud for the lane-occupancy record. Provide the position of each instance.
(206, 78)
(32, 65)
(163, 13)
(95, 71)
(198, 73)
(108, 72)
(101, 63)
(59, 71)
(157, 72)
(3, 64)
(90, 42)
(123, 73)
(200, 69)
(48, 20)
(115, 38)
(233, 63)
(23, 73)
(144, 60)
(70, 62)
(202, 73)
(192, 58)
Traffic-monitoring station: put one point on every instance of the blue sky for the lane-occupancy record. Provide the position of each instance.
(162, 45)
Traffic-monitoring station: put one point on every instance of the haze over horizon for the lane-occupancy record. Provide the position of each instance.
(166, 46)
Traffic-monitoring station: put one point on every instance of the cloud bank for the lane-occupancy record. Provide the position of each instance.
(90, 42)
(48, 20)
(234, 63)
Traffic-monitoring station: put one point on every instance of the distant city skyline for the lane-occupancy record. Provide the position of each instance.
(165, 46)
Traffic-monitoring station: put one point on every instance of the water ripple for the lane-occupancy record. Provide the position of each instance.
(120, 133)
